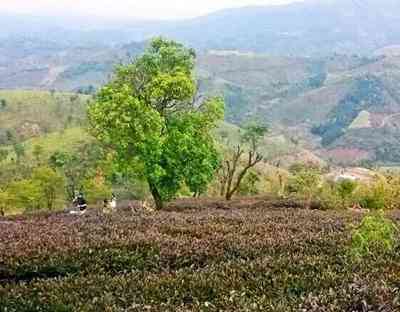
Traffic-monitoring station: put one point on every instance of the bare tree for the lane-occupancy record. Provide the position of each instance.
(235, 167)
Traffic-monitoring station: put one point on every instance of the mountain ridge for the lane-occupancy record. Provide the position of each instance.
(307, 28)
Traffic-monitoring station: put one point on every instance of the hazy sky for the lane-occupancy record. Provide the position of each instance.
(148, 9)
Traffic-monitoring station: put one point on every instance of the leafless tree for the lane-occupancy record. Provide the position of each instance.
(235, 167)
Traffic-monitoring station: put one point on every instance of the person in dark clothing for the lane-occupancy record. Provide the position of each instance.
(80, 203)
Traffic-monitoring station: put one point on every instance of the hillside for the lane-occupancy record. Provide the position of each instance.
(323, 74)
(201, 255)
(57, 121)
(328, 105)
(344, 108)
(27, 63)
(29, 114)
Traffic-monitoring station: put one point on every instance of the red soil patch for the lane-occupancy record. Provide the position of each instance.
(346, 154)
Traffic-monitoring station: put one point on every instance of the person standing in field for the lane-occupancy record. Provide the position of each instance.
(113, 202)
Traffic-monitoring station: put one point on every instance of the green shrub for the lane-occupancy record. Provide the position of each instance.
(345, 189)
(305, 182)
(374, 196)
(249, 185)
(328, 196)
(43, 190)
(376, 235)
(96, 189)
(393, 192)
(5, 202)
(51, 186)
(25, 194)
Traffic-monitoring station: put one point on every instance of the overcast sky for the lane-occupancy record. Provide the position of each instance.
(147, 9)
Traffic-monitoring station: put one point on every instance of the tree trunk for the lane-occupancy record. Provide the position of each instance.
(228, 196)
(309, 201)
(156, 196)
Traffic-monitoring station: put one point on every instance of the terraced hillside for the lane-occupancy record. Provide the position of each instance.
(336, 106)
(33, 64)
(343, 109)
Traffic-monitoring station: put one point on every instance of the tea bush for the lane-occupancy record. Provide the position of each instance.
(250, 256)
(376, 236)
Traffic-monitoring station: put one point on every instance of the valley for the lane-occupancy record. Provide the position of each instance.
(300, 98)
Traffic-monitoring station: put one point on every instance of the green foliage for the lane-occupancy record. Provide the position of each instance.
(51, 185)
(345, 189)
(38, 152)
(147, 117)
(375, 236)
(5, 202)
(42, 190)
(33, 113)
(3, 155)
(3, 104)
(78, 165)
(253, 133)
(26, 195)
(96, 189)
(235, 167)
(249, 185)
(367, 94)
(374, 196)
(305, 181)
(19, 150)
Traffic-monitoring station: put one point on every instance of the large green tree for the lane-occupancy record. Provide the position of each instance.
(150, 116)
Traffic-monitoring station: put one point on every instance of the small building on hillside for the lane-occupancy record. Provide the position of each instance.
(353, 174)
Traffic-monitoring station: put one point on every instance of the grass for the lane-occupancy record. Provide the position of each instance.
(67, 140)
(64, 141)
(274, 145)
(31, 113)
(206, 255)
(54, 121)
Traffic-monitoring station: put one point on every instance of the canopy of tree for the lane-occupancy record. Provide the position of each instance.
(150, 117)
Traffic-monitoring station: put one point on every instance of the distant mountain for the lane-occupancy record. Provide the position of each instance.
(324, 74)
(27, 63)
(308, 28)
